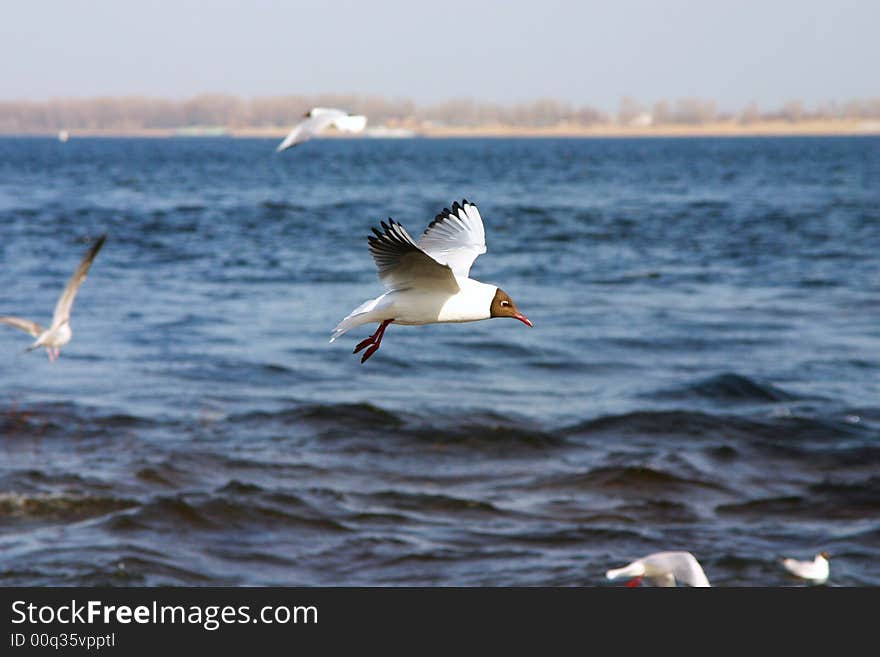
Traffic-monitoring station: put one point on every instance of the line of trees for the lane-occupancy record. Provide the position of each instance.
(134, 113)
(695, 111)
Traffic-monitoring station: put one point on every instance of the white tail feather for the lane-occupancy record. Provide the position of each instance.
(358, 316)
(635, 569)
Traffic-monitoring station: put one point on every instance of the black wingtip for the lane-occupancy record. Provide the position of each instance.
(98, 244)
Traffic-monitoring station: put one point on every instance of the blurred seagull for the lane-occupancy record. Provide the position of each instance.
(816, 570)
(663, 569)
(319, 118)
(59, 333)
(427, 281)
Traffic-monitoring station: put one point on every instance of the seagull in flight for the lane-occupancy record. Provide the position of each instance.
(59, 333)
(319, 118)
(816, 570)
(663, 569)
(428, 281)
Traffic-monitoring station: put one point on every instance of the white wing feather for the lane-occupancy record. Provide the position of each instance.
(683, 566)
(351, 123)
(456, 237)
(25, 325)
(65, 302)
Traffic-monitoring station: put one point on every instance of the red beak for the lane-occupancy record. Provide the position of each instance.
(525, 320)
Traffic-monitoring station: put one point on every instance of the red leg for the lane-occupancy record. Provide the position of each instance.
(370, 340)
(365, 342)
(369, 352)
(635, 581)
(374, 341)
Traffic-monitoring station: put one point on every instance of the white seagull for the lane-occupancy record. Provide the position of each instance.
(664, 569)
(59, 333)
(319, 118)
(816, 570)
(427, 281)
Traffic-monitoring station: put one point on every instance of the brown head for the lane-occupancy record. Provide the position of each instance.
(503, 306)
(825, 555)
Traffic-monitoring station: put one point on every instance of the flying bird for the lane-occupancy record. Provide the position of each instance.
(318, 119)
(664, 569)
(816, 570)
(59, 333)
(428, 281)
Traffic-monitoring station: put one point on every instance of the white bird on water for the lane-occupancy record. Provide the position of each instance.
(318, 119)
(428, 281)
(59, 333)
(816, 570)
(664, 569)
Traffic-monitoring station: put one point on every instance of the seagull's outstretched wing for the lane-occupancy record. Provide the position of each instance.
(65, 302)
(305, 130)
(402, 264)
(456, 237)
(683, 566)
(25, 325)
(350, 123)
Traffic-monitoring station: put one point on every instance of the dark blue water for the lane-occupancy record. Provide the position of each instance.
(702, 374)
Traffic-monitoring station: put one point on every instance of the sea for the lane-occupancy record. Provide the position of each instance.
(703, 373)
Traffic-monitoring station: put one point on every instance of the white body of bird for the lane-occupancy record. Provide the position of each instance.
(414, 307)
(55, 337)
(816, 570)
(664, 569)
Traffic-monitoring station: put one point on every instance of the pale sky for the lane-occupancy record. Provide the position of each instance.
(587, 52)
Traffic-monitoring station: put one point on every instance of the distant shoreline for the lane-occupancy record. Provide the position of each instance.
(718, 129)
(715, 129)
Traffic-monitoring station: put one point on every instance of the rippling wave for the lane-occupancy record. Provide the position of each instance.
(702, 373)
